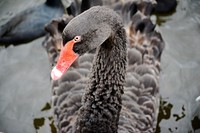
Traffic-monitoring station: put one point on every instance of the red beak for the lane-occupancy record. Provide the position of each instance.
(67, 57)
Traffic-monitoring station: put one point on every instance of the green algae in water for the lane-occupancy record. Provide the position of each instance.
(46, 107)
(53, 128)
(50, 118)
(38, 122)
(178, 117)
(164, 113)
(196, 123)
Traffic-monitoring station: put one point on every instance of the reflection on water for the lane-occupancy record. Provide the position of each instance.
(24, 98)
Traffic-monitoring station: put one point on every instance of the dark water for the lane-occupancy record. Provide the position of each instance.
(25, 95)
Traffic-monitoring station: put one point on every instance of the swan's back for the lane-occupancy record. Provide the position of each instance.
(141, 95)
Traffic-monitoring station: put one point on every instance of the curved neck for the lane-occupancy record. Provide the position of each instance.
(102, 99)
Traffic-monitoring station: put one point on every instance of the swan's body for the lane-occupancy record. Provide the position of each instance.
(159, 6)
(29, 24)
(105, 108)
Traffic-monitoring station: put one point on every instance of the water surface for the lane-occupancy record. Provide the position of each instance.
(180, 77)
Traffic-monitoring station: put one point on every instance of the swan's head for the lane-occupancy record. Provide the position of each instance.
(86, 32)
(94, 26)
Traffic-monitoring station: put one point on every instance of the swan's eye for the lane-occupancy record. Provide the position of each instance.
(77, 38)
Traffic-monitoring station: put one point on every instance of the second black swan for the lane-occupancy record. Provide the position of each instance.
(29, 24)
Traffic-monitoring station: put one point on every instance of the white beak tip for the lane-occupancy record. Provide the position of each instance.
(56, 74)
(198, 99)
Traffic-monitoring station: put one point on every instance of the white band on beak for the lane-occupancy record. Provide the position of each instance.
(56, 74)
(198, 99)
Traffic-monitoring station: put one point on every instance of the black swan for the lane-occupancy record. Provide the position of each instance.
(103, 108)
(29, 24)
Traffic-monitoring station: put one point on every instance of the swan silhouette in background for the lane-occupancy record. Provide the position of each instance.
(159, 6)
(29, 24)
(165, 6)
(119, 85)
